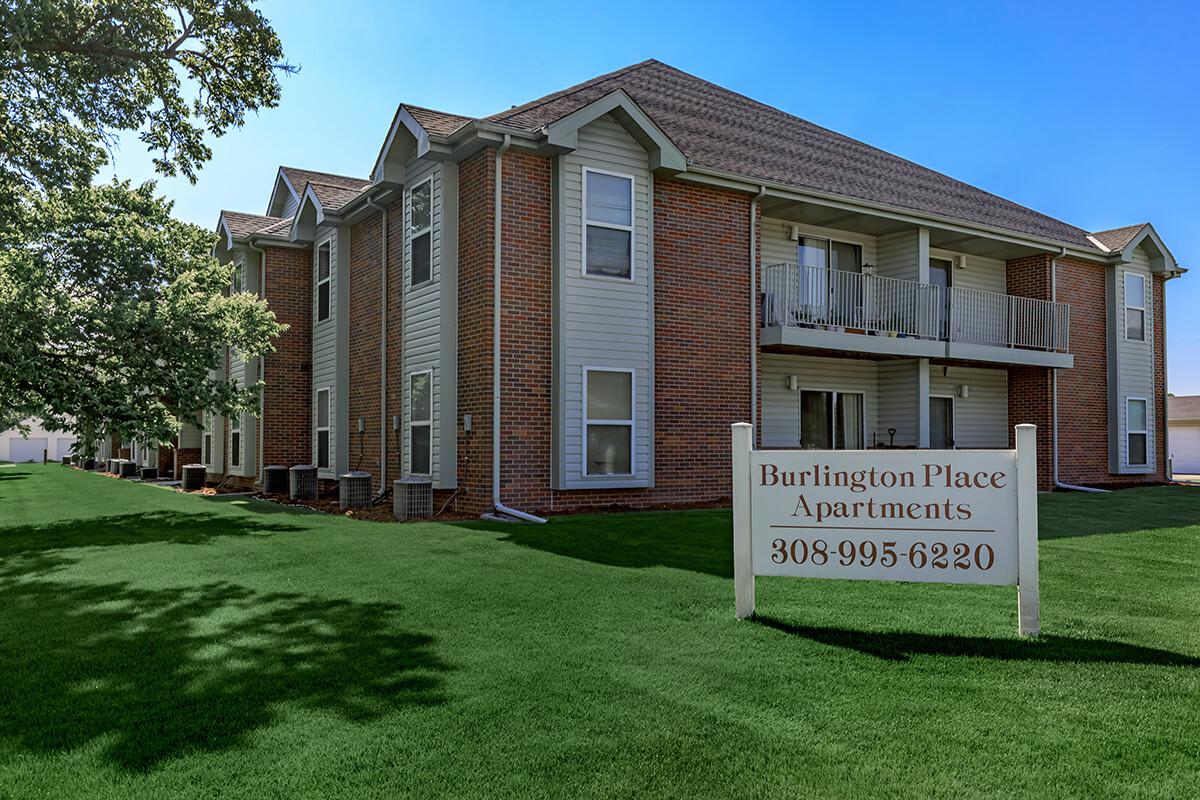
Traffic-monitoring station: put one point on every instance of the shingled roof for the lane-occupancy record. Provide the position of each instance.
(728, 132)
(439, 122)
(1117, 238)
(333, 197)
(299, 178)
(242, 225)
(1183, 409)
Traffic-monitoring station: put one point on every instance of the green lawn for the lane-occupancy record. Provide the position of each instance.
(159, 645)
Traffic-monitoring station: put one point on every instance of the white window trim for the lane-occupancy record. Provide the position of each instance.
(953, 415)
(1142, 307)
(1144, 432)
(631, 227)
(206, 441)
(415, 423)
(414, 233)
(237, 282)
(327, 428)
(837, 393)
(631, 422)
(329, 280)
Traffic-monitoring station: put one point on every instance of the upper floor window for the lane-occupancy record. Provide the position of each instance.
(420, 233)
(1135, 307)
(239, 279)
(206, 452)
(420, 426)
(608, 421)
(1135, 431)
(607, 224)
(323, 429)
(323, 282)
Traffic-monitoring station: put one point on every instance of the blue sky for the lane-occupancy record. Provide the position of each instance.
(1089, 112)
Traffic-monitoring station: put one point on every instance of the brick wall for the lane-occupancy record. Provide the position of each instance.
(702, 351)
(366, 289)
(287, 372)
(1082, 390)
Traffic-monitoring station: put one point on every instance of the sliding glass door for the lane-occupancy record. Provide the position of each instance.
(830, 291)
(831, 420)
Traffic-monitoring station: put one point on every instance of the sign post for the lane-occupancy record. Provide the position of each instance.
(936, 516)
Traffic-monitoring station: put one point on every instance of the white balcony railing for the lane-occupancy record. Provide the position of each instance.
(803, 296)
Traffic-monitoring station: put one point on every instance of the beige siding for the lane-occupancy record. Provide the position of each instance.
(605, 322)
(779, 248)
(781, 406)
(981, 418)
(899, 255)
(898, 402)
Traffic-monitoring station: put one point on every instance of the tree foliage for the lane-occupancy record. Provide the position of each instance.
(117, 316)
(113, 313)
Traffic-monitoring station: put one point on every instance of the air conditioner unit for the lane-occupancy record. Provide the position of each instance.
(412, 498)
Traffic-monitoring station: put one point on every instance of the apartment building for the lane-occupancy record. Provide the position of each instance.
(566, 304)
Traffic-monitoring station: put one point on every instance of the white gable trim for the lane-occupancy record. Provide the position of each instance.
(663, 153)
(404, 132)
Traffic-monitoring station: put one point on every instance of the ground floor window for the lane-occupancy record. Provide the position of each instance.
(235, 440)
(206, 453)
(323, 416)
(420, 426)
(608, 421)
(831, 420)
(1135, 431)
(941, 423)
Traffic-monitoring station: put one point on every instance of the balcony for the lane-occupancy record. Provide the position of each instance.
(815, 307)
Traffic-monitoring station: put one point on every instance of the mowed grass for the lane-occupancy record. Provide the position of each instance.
(159, 645)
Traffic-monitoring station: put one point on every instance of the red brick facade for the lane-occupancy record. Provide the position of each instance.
(287, 372)
(1083, 447)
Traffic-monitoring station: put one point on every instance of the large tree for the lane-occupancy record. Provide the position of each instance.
(112, 313)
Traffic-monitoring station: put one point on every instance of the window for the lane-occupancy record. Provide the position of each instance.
(1135, 307)
(1135, 431)
(323, 282)
(607, 224)
(831, 420)
(239, 278)
(206, 454)
(323, 429)
(420, 426)
(941, 422)
(420, 233)
(608, 421)
(235, 440)
(826, 295)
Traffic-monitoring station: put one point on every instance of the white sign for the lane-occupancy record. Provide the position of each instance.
(941, 516)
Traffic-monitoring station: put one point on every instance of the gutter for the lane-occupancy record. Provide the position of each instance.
(1054, 390)
(497, 232)
(383, 334)
(762, 192)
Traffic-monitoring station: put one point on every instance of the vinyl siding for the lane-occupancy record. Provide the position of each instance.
(244, 373)
(781, 406)
(1136, 367)
(978, 272)
(898, 402)
(899, 255)
(422, 310)
(290, 204)
(324, 368)
(778, 248)
(981, 418)
(604, 322)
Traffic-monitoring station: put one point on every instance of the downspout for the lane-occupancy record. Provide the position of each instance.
(497, 230)
(762, 192)
(383, 334)
(262, 293)
(1054, 391)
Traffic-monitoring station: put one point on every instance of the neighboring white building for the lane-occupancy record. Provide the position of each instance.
(15, 447)
(1183, 434)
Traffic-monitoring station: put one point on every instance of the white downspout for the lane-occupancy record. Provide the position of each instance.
(262, 293)
(762, 191)
(1054, 391)
(383, 332)
(496, 242)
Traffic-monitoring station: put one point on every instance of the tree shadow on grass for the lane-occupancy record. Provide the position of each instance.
(903, 645)
(171, 527)
(697, 541)
(156, 674)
